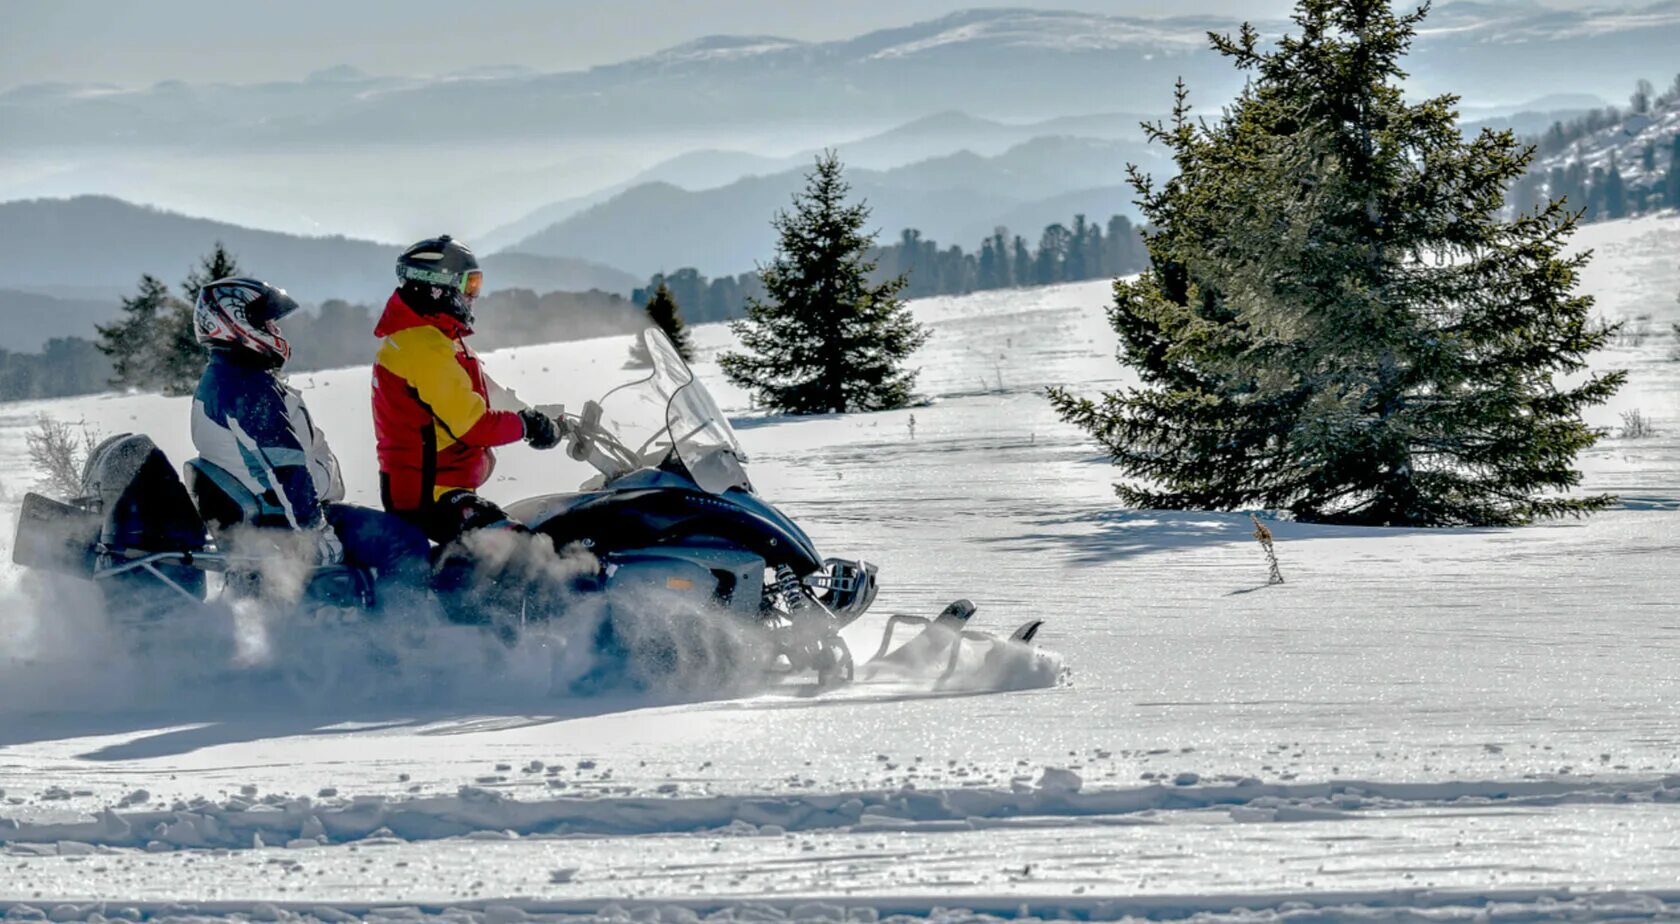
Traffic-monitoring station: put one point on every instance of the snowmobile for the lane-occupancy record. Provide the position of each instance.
(670, 520)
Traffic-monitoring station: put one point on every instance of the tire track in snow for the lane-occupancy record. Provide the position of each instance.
(1367, 906)
(1055, 797)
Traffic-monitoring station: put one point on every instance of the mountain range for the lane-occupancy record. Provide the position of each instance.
(33, 318)
(87, 251)
(955, 199)
(1001, 63)
(923, 139)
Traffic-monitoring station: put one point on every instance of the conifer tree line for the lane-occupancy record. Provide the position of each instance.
(151, 346)
(1074, 252)
(1606, 190)
(1339, 321)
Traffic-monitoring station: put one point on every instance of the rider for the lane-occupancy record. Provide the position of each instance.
(435, 411)
(254, 429)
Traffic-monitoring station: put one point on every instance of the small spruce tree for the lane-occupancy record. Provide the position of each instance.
(1674, 170)
(182, 359)
(662, 310)
(824, 339)
(218, 264)
(1336, 320)
(135, 342)
(1615, 192)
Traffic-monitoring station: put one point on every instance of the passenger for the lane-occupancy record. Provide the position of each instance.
(256, 431)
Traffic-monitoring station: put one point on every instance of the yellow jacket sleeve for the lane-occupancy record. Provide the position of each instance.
(427, 360)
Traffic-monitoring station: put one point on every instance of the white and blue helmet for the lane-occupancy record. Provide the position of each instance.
(243, 314)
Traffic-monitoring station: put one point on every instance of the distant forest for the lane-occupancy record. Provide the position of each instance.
(341, 334)
(1064, 253)
(1619, 187)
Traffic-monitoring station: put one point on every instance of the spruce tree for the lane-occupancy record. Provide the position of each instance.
(824, 339)
(219, 264)
(182, 359)
(1023, 262)
(662, 310)
(1336, 322)
(1674, 170)
(1615, 192)
(988, 266)
(1078, 238)
(135, 342)
(1053, 246)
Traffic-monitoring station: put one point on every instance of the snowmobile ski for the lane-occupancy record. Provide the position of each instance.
(937, 633)
(1027, 632)
(939, 645)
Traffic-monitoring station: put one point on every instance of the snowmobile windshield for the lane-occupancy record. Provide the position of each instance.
(696, 427)
(666, 417)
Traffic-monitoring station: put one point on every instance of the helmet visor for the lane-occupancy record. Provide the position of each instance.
(472, 283)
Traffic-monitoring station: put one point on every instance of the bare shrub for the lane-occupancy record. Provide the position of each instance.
(1635, 334)
(1635, 426)
(59, 451)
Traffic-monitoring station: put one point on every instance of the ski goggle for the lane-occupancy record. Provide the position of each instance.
(469, 283)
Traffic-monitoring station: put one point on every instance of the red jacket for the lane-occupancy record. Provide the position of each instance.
(431, 409)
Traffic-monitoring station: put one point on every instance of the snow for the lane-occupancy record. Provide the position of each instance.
(1070, 32)
(1443, 724)
(1624, 145)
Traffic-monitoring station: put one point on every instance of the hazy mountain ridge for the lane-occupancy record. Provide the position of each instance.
(99, 242)
(33, 318)
(955, 199)
(942, 134)
(999, 62)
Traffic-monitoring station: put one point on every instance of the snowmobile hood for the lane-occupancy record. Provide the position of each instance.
(399, 316)
(638, 487)
(767, 512)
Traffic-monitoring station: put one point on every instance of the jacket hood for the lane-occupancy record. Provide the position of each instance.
(399, 316)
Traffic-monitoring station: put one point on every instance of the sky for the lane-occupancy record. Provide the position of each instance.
(140, 42)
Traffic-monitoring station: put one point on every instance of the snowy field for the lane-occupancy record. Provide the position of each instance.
(1418, 725)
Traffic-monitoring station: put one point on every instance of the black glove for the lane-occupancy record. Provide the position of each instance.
(541, 430)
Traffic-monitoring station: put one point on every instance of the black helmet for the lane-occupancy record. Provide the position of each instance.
(241, 314)
(440, 275)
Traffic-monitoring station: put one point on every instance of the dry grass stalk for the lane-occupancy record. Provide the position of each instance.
(1264, 537)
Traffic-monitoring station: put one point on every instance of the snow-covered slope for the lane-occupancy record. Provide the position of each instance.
(1623, 145)
(1440, 723)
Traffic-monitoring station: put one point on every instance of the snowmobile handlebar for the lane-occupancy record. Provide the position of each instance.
(592, 443)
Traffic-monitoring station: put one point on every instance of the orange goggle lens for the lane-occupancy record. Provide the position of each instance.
(471, 285)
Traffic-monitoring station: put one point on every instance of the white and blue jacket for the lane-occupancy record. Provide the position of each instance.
(255, 430)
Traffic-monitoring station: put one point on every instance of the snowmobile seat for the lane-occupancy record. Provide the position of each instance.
(225, 504)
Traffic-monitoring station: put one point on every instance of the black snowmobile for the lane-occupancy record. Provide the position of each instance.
(671, 522)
